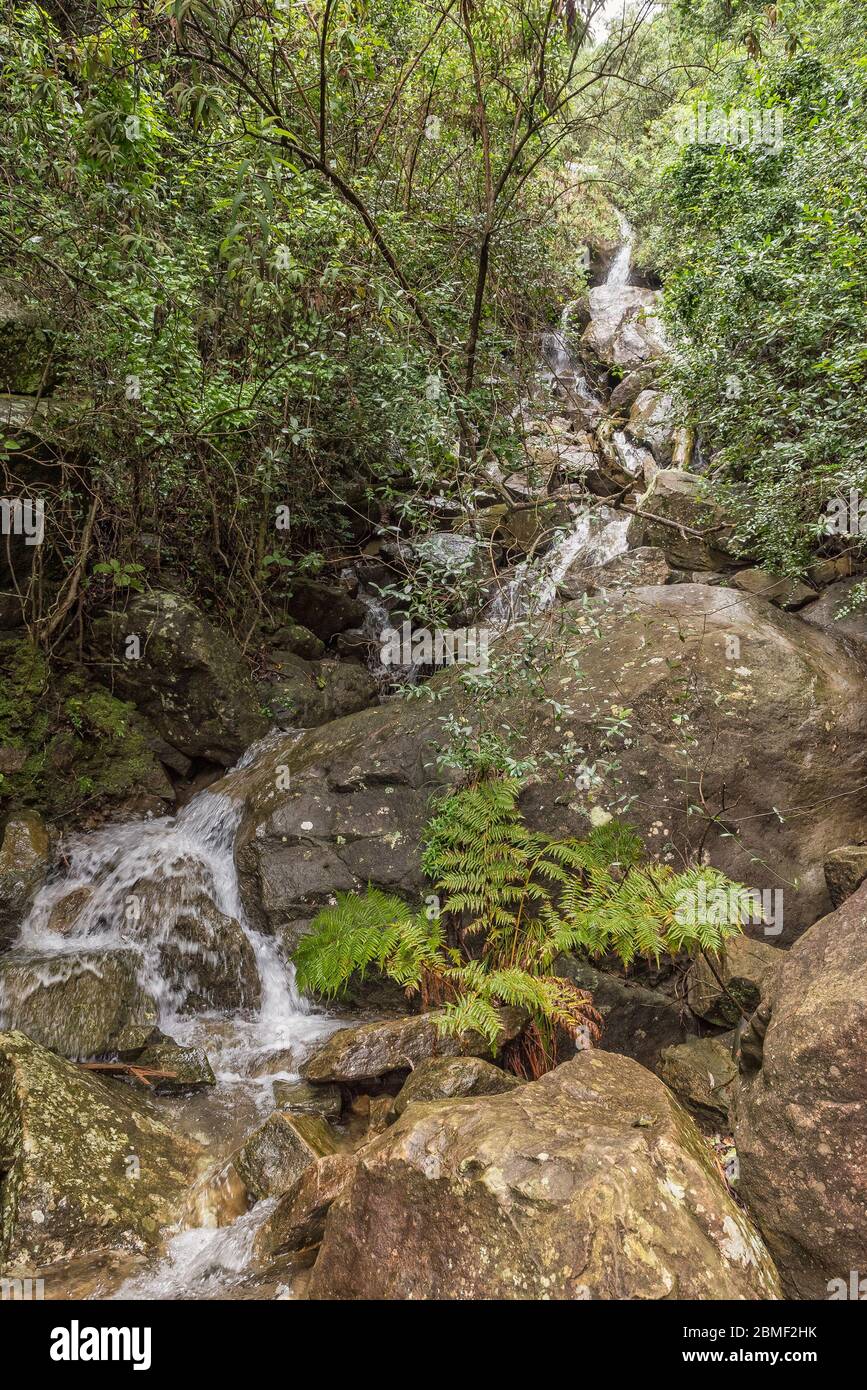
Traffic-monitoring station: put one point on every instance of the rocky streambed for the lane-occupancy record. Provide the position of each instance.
(175, 1121)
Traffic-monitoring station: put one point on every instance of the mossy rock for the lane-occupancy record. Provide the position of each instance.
(86, 1166)
(87, 1004)
(67, 742)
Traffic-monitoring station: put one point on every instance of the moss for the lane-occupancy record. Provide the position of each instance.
(80, 743)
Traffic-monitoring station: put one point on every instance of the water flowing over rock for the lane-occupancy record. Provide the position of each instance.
(85, 1166)
(80, 1004)
(801, 1116)
(589, 1183)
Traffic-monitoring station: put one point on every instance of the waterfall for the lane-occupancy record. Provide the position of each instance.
(136, 882)
(618, 274)
(596, 537)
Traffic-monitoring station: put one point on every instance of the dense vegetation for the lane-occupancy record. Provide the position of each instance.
(760, 244)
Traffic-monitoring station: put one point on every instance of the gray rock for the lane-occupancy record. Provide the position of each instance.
(637, 1021)
(86, 1004)
(325, 609)
(304, 694)
(651, 422)
(702, 1074)
(190, 681)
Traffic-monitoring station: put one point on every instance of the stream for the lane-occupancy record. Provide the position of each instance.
(186, 861)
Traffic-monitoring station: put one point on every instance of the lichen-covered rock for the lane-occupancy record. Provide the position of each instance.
(590, 1183)
(277, 1153)
(84, 1004)
(24, 859)
(301, 1098)
(775, 715)
(446, 1078)
(845, 870)
(62, 739)
(190, 679)
(85, 1166)
(736, 983)
(801, 1113)
(372, 1050)
(298, 1219)
(693, 531)
(701, 1073)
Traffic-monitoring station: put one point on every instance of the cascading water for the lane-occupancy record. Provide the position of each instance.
(167, 890)
(597, 536)
(619, 270)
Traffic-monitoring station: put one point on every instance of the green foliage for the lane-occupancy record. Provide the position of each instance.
(525, 899)
(762, 252)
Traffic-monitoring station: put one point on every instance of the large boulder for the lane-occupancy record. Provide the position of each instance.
(374, 1050)
(590, 1183)
(85, 1166)
(81, 1004)
(741, 718)
(24, 860)
(190, 679)
(678, 514)
(801, 1115)
(625, 331)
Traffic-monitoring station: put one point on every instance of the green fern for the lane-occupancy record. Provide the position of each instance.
(532, 899)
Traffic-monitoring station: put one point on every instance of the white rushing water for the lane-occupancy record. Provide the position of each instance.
(168, 887)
